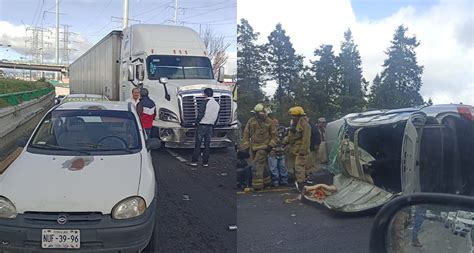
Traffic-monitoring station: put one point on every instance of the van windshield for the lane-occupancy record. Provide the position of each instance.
(69, 132)
(179, 67)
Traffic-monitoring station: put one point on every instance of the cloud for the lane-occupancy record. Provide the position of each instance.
(445, 30)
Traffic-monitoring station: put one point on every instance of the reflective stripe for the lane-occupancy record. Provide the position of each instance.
(149, 111)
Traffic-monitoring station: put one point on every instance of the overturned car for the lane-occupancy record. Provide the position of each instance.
(377, 155)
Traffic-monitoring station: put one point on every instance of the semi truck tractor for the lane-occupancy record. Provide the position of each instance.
(172, 63)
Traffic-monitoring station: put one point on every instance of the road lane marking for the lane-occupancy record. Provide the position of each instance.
(177, 156)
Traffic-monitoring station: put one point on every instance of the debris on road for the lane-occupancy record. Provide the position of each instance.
(319, 191)
(186, 197)
(232, 227)
(293, 215)
(291, 200)
(224, 174)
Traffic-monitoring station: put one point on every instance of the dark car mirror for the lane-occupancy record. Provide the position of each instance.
(431, 222)
(22, 141)
(153, 143)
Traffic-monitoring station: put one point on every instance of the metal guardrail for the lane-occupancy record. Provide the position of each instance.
(19, 97)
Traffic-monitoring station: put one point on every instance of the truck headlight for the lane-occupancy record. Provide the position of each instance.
(129, 208)
(167, 115)
(7, 209)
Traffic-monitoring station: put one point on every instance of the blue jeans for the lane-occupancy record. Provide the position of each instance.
(148, 132)
(419, 218)
(278, 169)
(203, 133)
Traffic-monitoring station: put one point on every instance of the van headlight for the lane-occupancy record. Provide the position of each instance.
(167, 115)
(129, 208)
(7, 209)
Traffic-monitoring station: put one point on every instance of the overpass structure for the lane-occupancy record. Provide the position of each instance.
(34, 66)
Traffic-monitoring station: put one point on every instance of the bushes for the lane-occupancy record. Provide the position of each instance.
(12, 85)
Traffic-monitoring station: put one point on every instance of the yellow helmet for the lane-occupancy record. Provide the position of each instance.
(259, 108)
(296, 111)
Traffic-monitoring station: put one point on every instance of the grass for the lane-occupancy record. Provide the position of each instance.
(12, 85)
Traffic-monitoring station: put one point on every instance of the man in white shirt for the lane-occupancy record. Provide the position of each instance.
(135, 98)
(206, 119)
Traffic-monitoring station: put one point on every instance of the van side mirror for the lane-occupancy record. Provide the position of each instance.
(220, 75)
(140, 72)
(130, 76)
(433, 216)
(164, 80)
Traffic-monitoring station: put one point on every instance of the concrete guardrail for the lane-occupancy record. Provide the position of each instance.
(20, 120)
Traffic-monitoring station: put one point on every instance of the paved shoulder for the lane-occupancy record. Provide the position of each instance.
(277, 221)
(195, 207)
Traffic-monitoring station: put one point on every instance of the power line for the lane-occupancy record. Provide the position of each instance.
(205, 6)
(154, 16)
(153, 9)
(100, 13)
(209, 11)
(40, 2)
(213, 22)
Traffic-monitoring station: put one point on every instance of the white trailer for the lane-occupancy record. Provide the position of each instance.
(172, 63)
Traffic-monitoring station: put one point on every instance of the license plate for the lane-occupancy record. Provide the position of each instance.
(60, 239)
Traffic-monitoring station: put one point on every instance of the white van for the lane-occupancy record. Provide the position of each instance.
(84, 181)
(378, 155)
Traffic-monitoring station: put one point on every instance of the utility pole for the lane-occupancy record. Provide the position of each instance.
(125, 14)
(175, 12)
(57, 36)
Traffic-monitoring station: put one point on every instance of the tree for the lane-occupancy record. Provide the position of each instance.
(250, 65)
(400, 81)
(352, 84)
(326, 89)
(375, 89)
(284, 66)
(216, 48)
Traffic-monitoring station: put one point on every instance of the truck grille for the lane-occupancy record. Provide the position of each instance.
(190, 106)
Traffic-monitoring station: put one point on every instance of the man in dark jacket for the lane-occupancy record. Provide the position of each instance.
(146, 110)
(206, 119)
(311, 159)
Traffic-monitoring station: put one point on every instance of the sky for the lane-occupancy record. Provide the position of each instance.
(443, 27)
(91, 20)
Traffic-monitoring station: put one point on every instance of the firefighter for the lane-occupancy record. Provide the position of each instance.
(299, 140)
(259, 138)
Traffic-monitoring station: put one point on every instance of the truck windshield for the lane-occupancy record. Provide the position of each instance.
(69, 132)
(179, 67)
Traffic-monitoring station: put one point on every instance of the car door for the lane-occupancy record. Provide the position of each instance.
(354, 195)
